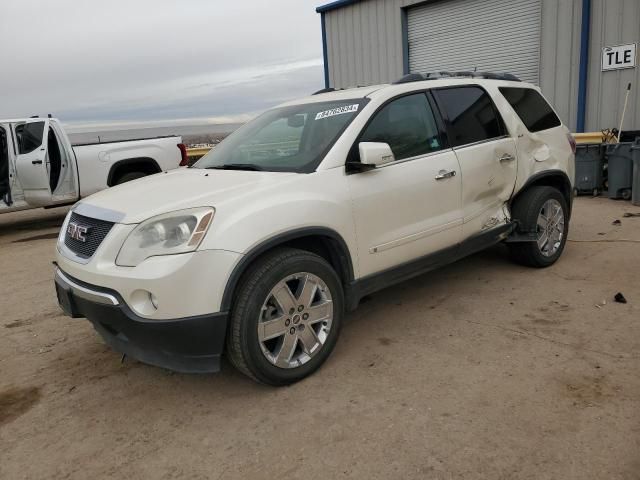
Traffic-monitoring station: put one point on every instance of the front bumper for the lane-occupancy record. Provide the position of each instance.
(188, 345)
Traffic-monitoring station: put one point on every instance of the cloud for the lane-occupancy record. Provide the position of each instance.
(219, 98)
(144, 60)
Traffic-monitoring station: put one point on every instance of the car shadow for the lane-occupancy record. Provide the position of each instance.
(427, 292)
(31, 221)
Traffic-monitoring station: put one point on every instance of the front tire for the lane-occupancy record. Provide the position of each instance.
(286, 317)
(543, 211)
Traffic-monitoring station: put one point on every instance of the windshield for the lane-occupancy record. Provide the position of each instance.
(287, 139)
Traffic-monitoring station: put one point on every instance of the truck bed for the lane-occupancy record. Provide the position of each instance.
(84, 144)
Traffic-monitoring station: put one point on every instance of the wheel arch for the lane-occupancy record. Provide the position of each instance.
(139, 164)
(548, 178)
(322, 241)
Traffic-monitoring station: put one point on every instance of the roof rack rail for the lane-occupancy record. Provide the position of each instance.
(324, 90)
(411, 77)
(419, 77)
(499, 76)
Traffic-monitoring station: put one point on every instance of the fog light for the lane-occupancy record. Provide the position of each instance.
(144, 302)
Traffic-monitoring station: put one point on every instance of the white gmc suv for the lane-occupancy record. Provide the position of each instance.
(260, 248)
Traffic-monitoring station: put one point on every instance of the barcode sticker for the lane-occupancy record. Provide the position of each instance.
(337, 111)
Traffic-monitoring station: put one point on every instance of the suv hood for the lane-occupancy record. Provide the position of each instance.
(178, 189)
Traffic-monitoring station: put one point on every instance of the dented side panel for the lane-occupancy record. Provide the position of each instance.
(537, 152)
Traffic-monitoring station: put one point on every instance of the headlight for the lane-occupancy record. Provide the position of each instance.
(167, 234)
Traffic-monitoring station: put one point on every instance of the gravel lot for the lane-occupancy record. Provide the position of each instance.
(483, 369)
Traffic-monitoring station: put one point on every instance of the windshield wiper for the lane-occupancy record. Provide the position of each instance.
(236, 166)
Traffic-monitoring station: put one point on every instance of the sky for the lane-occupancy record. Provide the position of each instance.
(118, 62)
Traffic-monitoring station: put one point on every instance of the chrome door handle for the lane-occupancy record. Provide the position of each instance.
(36, 162)
(442, 174)
(507, 157)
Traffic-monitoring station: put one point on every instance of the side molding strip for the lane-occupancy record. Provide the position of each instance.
(372, 283)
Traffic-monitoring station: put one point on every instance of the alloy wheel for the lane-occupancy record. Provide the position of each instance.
(295, 320)
(550, 227)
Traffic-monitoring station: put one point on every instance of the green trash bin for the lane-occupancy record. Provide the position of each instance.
(589, 169)
(619, 170)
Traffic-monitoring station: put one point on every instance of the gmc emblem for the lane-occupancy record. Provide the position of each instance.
(78, 232)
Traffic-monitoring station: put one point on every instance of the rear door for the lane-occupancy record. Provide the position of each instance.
(542, 143)
(63, 174)
(410, 207)
(487, 155)
(32, 166)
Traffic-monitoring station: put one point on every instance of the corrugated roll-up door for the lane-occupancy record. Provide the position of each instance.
(487, 35)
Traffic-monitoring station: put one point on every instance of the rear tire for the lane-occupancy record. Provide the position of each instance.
(543, 211)
(127, 177)
(286, 317)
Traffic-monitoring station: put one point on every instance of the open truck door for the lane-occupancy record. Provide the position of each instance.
(32, 162)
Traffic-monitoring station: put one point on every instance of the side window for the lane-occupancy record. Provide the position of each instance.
(532, 108)
(407, 125)
(472, 115)
(29, 136)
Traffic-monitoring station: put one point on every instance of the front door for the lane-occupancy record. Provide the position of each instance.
(32, 163)
(410, 207)
(5, 175)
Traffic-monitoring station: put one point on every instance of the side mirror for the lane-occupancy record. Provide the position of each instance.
(375, 154)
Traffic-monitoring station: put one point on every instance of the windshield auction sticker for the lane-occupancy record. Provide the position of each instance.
(337, 111)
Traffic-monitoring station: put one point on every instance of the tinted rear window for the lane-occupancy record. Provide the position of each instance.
(532, 108)
(472, 115)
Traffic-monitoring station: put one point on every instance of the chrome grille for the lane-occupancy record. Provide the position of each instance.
(97, 230)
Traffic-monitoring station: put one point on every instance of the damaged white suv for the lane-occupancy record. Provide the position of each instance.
(259, 249)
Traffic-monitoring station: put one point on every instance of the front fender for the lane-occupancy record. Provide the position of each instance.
(319, 200)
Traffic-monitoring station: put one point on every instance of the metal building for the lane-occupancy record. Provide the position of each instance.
(582, 53)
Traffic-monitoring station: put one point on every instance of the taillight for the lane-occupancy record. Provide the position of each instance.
(184, 160)
(572, 142)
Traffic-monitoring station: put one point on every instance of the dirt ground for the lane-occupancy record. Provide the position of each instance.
(483, 369)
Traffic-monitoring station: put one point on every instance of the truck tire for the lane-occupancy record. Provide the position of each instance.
(286, 317)
(541, 210)
(127, 177)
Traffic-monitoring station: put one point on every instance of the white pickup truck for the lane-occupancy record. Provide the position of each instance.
(40, 168)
